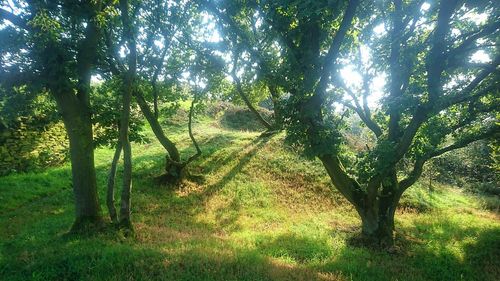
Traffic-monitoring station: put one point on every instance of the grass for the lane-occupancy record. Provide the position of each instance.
(261, 212)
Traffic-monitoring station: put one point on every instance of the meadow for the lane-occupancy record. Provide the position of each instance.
(251, 209)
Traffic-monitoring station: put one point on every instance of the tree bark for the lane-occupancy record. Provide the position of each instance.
(378, 230)
(110, 193)
(191, 135)
(78, 125)
(127, 177)
(173, 165)
(375, 210)
(377, 222)
(128, 85)
(157, 129)
(377, 214)
(77, 118)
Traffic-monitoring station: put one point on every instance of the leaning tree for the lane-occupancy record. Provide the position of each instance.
(161, 30)
(436, 99)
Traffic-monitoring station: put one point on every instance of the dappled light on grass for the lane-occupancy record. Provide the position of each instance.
(261, 213)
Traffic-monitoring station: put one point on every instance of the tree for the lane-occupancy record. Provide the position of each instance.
(249, 50)
(61, 40)
(436, 100)
(161, 58)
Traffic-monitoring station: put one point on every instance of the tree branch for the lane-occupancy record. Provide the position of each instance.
(465, 94)
(190, 130)
(419, 163)
(333, 52)
(469, 41)
(437, 57)
(239, 90)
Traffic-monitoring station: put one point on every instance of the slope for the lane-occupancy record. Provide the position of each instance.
(252, 210)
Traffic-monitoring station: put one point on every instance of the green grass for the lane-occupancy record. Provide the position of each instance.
(261, 212)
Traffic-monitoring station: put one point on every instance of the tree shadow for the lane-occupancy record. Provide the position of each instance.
(256, 145)
(101, 258)
(484, 254)
(299, 248)
(431, 254)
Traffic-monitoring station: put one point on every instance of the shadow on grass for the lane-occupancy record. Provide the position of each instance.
(256, 145)
(171, 244)
(101, 259)
(173, 209)
(447, 250)
(189, 250)
(298, 248)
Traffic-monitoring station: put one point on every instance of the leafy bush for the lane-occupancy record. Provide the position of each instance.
(25, 147)
(31, 135)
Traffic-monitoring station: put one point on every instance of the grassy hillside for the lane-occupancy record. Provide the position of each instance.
(260, 212)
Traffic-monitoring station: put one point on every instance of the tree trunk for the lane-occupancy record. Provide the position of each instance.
(110, 193)
(241, 93)
(129, 84)
(157, 129)
(378, 224)
(376, 210)
(87, 205)
(190, 131)
(79, 128)
(278, 114)
(127, 183)
(174, 165)
(250, 106)
(377, 216)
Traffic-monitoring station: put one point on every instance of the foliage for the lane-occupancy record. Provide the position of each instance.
(106, 99)
(26, 147)
(31, 134)
(466, 166)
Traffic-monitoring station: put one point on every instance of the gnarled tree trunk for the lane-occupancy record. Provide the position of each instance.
(376, 206)
(377, 221)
